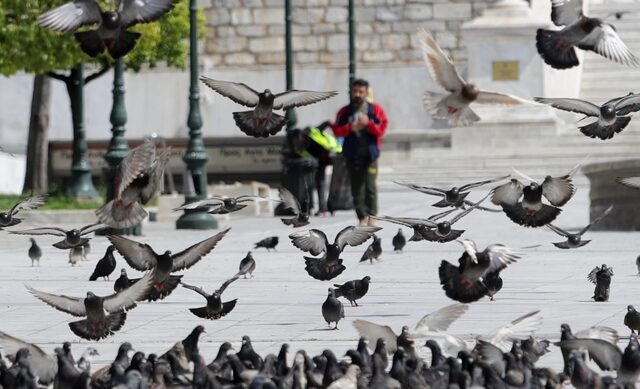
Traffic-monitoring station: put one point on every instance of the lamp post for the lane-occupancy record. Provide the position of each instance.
(292, 118)
(118, 145)
(81, 185)
(352, 45)
(195, 156)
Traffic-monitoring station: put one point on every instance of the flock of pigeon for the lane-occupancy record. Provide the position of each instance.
(503, 359)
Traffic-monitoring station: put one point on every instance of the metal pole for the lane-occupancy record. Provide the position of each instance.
(195, 156)
(292, 118)
(81, 185)
(352, 45)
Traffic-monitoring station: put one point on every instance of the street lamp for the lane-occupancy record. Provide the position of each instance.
(292, 118)
(352, 45)
(195, 156)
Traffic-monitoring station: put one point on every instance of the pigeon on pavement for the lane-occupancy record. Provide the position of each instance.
(557, 48)
(8, 219)
(105, 266)
(632, 319)
(398, 241)
(247, 265)
(112, 34)
(454, 105)
(374, 251)
(269, 243)
(332, 309)
(262, 121)
(72, 238)
(575, 240)
(353, 290)
(601, 277)
(35, 253)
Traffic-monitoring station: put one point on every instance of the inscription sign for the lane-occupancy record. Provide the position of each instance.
(506, 70)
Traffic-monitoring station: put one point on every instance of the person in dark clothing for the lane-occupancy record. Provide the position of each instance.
(362, 124)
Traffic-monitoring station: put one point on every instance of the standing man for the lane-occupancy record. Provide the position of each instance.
(362, 124)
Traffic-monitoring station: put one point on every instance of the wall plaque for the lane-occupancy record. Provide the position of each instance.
(506, 70)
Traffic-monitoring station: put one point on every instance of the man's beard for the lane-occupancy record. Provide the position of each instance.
(357, 101)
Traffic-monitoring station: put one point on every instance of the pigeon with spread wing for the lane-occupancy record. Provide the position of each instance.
(574, 240)
(73, 238)
(454, 197)
(301, 211)
(8, 219)
(215, 308)
(221, 205)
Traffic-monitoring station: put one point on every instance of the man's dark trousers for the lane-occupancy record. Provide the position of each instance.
(363, 187)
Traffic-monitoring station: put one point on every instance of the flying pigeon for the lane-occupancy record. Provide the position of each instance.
(43, 365)
(557, 47)
(104, 315)
(421, 227)
(455, 196)
(105, 266)
(315, 242)
(454, 106)
(35, 252)
(215, 308)
(142, 257)
(221, 205)
(612, 116)
(597, 332)
(601, 277)
(8, 219)
(269, 243)
(112, 34)
(353, 290)
(137, 180)
(575, 240)
(301, 211)
(72, 238)
(464, 283)
(531, 211)
(629, 182)
(262, 121)
(332, 309)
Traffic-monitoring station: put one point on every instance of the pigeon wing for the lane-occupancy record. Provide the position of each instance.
(143, 11)
(156, 172)
(606, 355)
(441, 319)
(200, 291)
(469, 209)
(354, 236)
(500, 256)
(593, 274)
(599, 332)
(596, 220)
(71, 305)
(507, 194)
(472, 185)
(629, 182)
(44, 366)
(312, 241)
(605, 41)
(42, 231)
(29, 203)
(299, 98)
(127, 298)
(139, 256)
(571, 105)
(227, 283)
(558, 230)
(289, 200)
(496, 98)
(92, 228)
(565, 12)
(414, 221)
(423, 189)
(238, 92)
(439, 65)
(558, 190)
(470, 248)
(206, 203)
(132, 165)
(521, 328)
(190, 256)
(71, 16)
(628, 104)
(372, 332)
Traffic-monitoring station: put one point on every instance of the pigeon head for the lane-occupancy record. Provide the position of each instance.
(110, 250)
(90, 295)
(73, 235)
(405, 330)
(198, 330)
(22, 354)
(608, 112)
(226, 346)
(66, 346)
(5, 217)
(123, 272)
(33, 241)
(111, 19)
(444, 228)
(332, 292)
(167, 253)
(565, 328)
(574, 238)
(470, 92)
(380, 343)
(59, 352)
(230, 202)
(591, 24)
(246, 340)
(633, 345)
(366, 279)
(630, 308)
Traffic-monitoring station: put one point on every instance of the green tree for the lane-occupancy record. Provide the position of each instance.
(27, 47)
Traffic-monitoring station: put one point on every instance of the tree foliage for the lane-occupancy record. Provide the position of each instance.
(25, 46)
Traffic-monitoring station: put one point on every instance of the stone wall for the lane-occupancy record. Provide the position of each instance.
(251, 32)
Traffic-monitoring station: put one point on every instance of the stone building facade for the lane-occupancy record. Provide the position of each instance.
(251, 32)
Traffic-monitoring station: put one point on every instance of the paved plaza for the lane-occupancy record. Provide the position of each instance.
(282, 303)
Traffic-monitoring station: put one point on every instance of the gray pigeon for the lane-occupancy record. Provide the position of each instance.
(220, 205)
(262, 122)
(112, 34)
(332, 309)
(269, 243)
(300, 211)
(398, 241)
(136, 182)
(612, 116)
(374, 251)
(247, 265)
(8, 219)
(575, 240)
(557, 48)
(601, 277)
(72, 238)
(35, 253)
(43, 365)
(104, 315)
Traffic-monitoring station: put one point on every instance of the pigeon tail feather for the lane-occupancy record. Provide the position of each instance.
(90, 42)
(552, 50)
(247, 122)
(595, 130)
(544, 216)
(116, 214)
(97, 331)
(125, 42)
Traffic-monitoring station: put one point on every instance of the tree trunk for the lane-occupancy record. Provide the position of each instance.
(36, 177)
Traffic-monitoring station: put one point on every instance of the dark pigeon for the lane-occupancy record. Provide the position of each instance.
(374, 251)
(353, 290)
(215, 308)
(632, 319)
(269, 243)
(612, 116)
(534, 348)
(123, 282)
(557, 48)
(601, 277)
(72, 238)
(422, 228)
(262, 121)
(104, 315)
(43, 365)
(248, 356)
(105, 266)
(398, 241)
(247, 265)
(137, 181)
(142, 257)
(300, 211)
(35, 253)
(574, 240)
(221, 205)
(332, 309)
(8, 219)
(112, 34)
